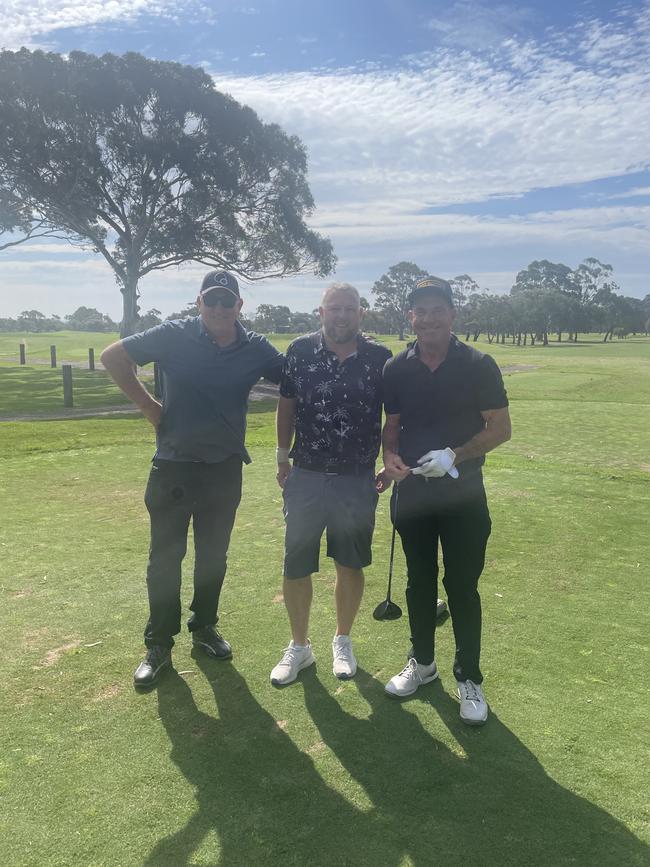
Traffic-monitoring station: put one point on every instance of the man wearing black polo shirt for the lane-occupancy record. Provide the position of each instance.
(209, 365)
(331, 396)
(445, 408)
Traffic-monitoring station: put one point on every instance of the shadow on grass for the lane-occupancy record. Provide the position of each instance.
(492, 804)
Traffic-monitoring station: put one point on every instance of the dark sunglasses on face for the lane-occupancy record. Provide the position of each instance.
(211, 299)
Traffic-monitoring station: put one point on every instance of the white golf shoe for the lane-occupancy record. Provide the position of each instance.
(294, 659)
(473, 706)
(410, 678)
(344, 665)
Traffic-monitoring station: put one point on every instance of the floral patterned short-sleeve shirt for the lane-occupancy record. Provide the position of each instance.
(338, 404)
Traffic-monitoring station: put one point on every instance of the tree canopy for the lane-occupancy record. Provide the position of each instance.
(393, 288)
(147, 164)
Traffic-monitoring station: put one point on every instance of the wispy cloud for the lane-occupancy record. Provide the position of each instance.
(386, 144)
(28, 23)
(479, 25)
(637, 192)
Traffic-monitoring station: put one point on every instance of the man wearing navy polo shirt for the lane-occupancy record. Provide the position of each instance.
(445, 408)
(331, 396)
(209, 364)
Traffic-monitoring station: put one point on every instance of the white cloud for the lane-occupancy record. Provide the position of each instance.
(386, 145)
(637, 192)
(27, 23)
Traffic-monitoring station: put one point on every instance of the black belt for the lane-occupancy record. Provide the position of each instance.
(335, 469)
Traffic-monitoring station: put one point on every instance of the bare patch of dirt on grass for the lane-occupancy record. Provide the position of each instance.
(318, 747)
(279, 726)
(54, 655)
(20, 594)
(278, 598)
(109, 692)
(34, 639)
(518, 368)
(645, 468)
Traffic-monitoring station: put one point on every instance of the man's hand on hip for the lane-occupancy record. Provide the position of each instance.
(152, 411)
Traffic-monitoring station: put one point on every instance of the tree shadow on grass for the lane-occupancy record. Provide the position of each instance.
(261, 794)
(491, 804)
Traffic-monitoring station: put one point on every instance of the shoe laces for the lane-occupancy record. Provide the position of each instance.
(156, 655)
(342, 649)
(289, 655)
(410, 670)
(472, 691)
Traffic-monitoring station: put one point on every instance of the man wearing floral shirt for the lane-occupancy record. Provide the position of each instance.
(331, 398)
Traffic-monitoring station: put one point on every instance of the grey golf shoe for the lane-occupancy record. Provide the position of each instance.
(410, 678)
(294, 659)
(473, 706)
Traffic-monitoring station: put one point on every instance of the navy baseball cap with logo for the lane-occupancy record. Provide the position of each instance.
(219, 280)
(431, 286)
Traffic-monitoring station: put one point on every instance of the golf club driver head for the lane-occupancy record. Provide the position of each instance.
(387, 610)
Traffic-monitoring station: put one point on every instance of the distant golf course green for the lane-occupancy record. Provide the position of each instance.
(216, 767)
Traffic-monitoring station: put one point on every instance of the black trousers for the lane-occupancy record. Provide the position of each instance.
(458, 518)
(207, 494)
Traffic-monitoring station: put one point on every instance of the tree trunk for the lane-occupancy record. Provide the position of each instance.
(130, 307)
(559, 337)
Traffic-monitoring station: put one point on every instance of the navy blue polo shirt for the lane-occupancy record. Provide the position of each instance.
(442, 408)
(338, 404)
(205, 387)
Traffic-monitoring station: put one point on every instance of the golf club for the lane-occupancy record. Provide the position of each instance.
(388, 610)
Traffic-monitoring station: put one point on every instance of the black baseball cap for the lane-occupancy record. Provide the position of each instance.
(219, 280)
(431, 286)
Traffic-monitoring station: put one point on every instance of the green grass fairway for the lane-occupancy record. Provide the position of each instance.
(216, 767)
(70, 345)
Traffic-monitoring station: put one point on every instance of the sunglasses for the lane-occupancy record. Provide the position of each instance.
(211, 299)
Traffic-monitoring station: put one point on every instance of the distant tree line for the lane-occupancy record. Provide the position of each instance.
(546, 298)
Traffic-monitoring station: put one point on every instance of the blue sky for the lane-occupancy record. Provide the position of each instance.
(467, 137)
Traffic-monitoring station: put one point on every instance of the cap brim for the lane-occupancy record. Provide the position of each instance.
(212, 288)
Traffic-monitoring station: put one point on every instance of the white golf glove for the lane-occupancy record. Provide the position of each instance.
(436, 464)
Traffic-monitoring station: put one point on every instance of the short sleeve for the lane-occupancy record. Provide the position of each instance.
(490, 390)
(289, 372)
(154, 344)
(271, 359)
(392, 404)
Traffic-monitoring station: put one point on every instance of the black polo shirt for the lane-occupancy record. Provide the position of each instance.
(205, 387)
(442, 408)
(338, 404)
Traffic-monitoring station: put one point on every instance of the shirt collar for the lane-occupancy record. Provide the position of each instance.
(240, 338)
(319, 344)
(454, 349)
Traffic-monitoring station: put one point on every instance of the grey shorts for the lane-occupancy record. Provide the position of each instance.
(342, 505)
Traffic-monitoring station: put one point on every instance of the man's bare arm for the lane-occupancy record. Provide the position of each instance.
(497, 430)
(117, 362)
(394, 466)
(285, 420)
